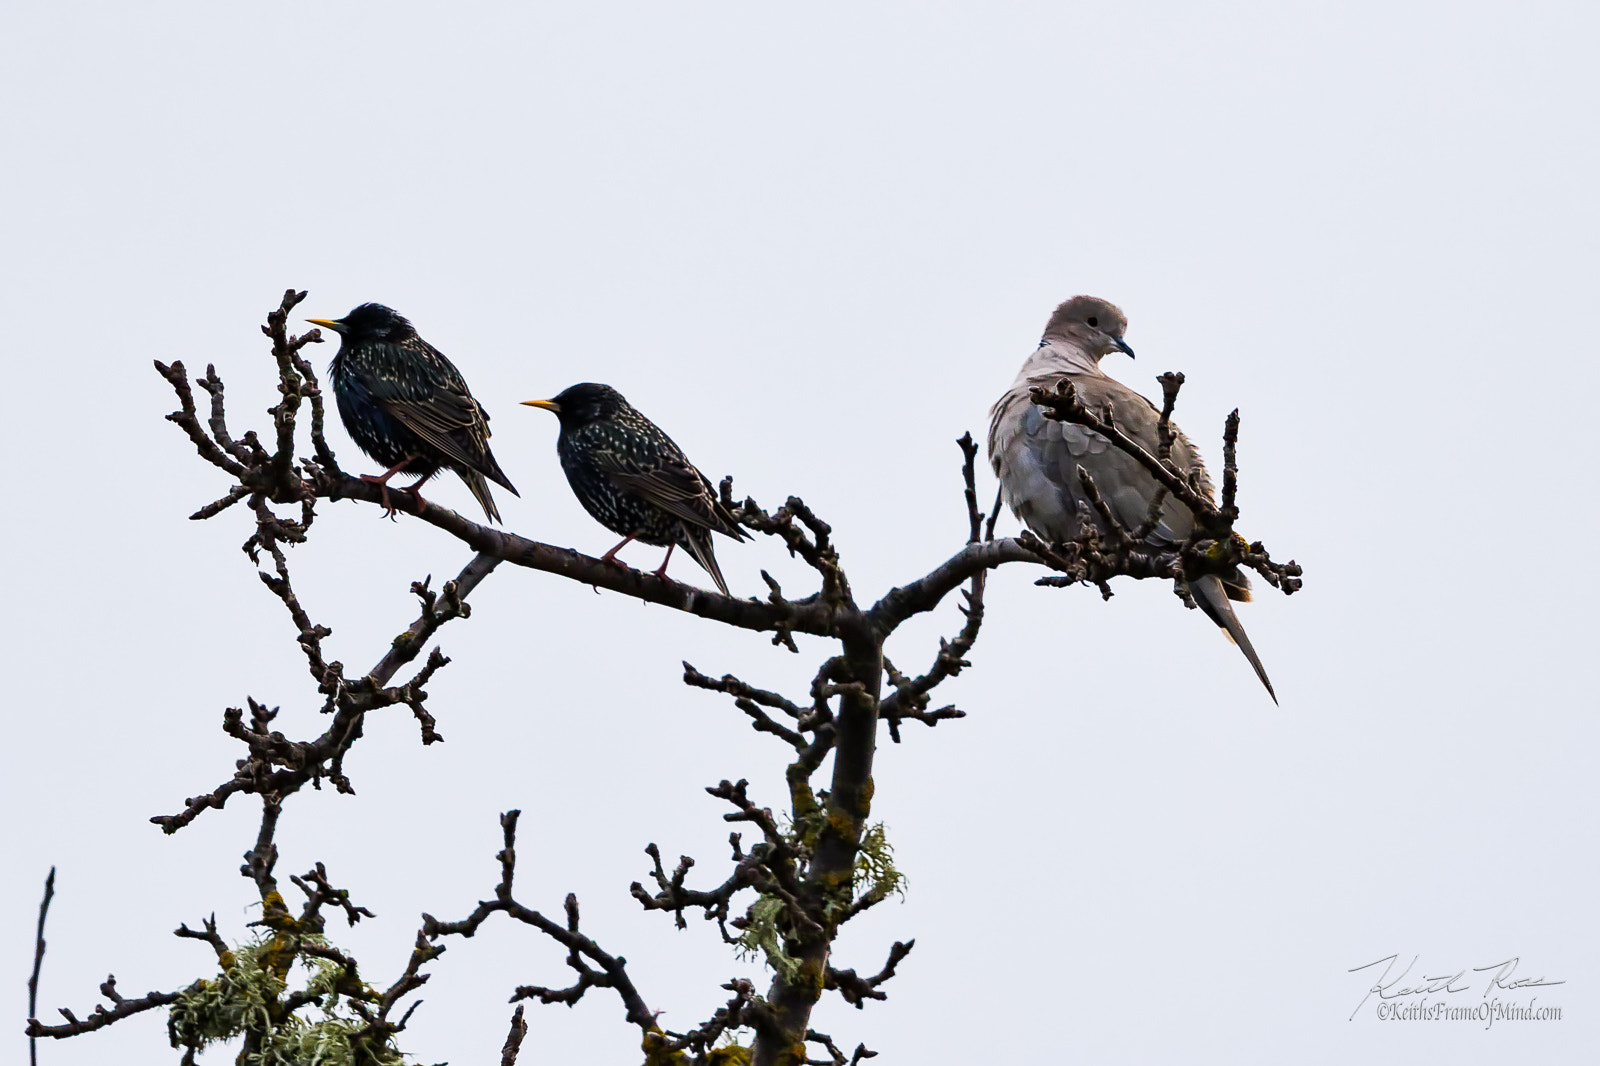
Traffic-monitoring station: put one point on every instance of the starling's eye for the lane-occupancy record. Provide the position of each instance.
(1093, 321)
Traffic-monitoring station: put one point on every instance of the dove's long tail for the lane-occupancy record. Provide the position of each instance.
(1212, 597)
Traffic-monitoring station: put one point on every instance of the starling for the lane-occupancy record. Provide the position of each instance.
(1037, 458)
(408, 407)
(634, 480)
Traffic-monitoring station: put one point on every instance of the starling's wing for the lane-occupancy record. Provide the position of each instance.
(447, 417)
(671, 483)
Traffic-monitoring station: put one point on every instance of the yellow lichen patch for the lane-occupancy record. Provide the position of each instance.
(800, 794)
(811, 975)
(279, 954)
(657, 1053)
(832, 879)
(275, 913)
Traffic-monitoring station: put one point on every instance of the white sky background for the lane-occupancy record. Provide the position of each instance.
(815, 246)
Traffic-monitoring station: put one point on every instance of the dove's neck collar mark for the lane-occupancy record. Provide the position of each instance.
(1058, 356)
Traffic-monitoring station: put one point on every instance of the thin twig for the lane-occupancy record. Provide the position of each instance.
(38, 961)
(519, 1029)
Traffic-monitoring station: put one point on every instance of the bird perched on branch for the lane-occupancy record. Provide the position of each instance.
(408, 407)
(1037, 458)
(634, 480)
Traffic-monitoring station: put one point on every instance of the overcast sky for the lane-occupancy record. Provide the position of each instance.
(815, 246)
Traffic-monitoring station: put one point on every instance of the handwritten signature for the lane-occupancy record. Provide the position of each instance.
(1501, 977)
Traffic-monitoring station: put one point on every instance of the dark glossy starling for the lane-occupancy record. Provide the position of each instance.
(407, 406)
(634, 480)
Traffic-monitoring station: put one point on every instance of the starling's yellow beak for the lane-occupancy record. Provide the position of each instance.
(548, 405)
(327, 323)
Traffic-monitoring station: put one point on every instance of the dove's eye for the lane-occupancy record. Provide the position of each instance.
(1094, 322)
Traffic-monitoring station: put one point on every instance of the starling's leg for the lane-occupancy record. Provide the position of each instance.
(611, 556)
(382, 481)
(422, 505)
(661, 571)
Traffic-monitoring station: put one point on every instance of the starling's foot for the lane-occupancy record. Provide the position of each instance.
(382, 482)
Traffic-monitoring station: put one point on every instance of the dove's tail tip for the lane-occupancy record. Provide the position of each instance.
(1262, 674)
(1214, 599)
(1236, 631)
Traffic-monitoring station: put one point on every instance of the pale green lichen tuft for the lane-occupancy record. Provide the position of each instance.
(761, 937)
(876, 876)
(245, 998)
(871, 880)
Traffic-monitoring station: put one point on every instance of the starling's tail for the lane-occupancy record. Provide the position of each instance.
(480, 489)
(1211, 596)
(697, 542)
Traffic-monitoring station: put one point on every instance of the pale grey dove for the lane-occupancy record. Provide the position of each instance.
(1036, 458)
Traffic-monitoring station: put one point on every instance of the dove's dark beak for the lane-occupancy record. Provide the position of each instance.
(1122, 346)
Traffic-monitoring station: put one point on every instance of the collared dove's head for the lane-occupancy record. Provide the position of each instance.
(1092, 324)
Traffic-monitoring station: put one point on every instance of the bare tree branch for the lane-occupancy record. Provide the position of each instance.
(611, 971)
(814, 867)
(101, 1017)
(857, 990)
